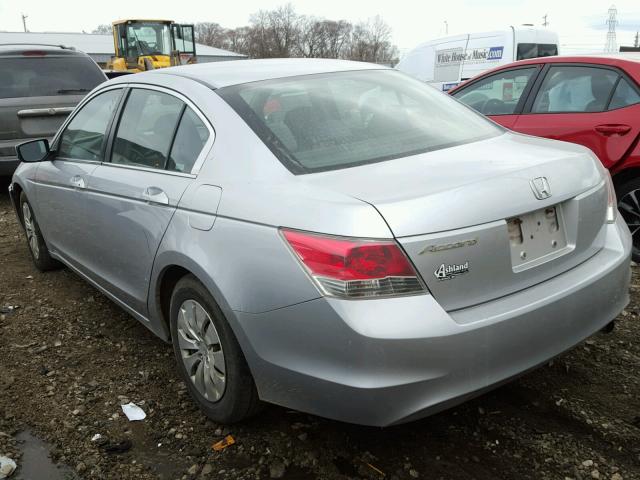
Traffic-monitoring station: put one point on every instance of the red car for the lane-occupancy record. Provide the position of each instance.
(593, 101)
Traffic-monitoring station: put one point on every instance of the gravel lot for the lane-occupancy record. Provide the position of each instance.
(69, 358)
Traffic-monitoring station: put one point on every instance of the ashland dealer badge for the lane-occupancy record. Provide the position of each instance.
(447, 272)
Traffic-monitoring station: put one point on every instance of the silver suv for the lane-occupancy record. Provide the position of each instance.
(39, 86)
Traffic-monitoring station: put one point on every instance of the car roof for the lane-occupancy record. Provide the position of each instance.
(21, 48)
(223, 74)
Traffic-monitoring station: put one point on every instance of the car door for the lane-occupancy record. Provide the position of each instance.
(61, 183)
(134, 194)
(500, 95)
(595, 106)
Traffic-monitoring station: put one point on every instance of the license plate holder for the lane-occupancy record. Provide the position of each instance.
(536, 237)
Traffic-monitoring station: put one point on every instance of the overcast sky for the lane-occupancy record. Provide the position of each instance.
(581, 24)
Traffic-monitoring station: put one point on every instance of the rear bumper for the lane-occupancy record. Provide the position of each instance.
(388, 361)
(8, 165)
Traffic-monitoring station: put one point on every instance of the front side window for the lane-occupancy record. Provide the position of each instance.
(338, 120)
(624, 95)
(575, 89)
(536, 50)
(146, 129)
(84, 136)
(497, 94)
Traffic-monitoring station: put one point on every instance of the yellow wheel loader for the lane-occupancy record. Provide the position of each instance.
(148, 44)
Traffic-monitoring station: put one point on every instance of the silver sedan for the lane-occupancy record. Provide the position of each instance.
(330, 236)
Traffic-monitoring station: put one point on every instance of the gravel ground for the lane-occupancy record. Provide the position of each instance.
(69, 358)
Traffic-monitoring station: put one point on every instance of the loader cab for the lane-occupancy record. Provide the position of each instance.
(149, 44)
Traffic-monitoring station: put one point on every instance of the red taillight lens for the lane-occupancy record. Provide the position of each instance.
(353, 268)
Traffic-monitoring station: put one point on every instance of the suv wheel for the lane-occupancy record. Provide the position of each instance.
(209, 357)
(35, 241)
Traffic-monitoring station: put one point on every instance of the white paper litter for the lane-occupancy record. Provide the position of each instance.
(96, 437)
(7, 467)
(133, 412)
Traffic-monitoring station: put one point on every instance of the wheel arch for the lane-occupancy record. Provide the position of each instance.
(623, 176)
(168, 269)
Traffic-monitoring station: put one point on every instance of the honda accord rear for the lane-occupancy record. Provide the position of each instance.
(342, 239)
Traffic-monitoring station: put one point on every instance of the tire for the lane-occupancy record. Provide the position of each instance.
(35, 241)
(206, 349)
(629, 207)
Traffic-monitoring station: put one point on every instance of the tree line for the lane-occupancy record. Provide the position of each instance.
(282, 32)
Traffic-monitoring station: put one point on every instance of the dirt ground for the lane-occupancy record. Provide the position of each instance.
(69, 358)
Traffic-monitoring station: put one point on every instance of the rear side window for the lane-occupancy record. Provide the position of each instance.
(624, 95)
(83, 138)
(337, 120)
(497, 94)
(536, 50)
(190, 138)
(41, 76)
(147, 126)
(575, 89)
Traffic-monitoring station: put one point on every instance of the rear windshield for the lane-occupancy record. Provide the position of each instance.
(48, 75)
(337, 120)
(535, 50)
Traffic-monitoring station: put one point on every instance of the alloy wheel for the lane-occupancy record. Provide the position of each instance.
(201, 350)
(629, 207)
(29, 227)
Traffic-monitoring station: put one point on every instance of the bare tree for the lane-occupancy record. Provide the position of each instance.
(103, 29)
(209, 33)
(282, 32)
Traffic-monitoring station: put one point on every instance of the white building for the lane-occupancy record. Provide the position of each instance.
(100, 47)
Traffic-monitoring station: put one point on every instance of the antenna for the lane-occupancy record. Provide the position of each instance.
(545, 23)
(611, 46)
(24, 21)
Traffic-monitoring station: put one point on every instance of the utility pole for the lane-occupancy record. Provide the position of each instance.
(446, 27)
(611, 46)
(24, 21)
(545, 23)
(636, 43)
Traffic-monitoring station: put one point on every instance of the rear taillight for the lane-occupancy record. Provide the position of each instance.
(354, 268)
(612, 201)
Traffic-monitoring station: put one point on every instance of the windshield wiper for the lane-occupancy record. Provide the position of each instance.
(72, 90)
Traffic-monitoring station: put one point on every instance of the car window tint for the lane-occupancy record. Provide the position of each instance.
(39, 76)
(191, 136)
(575, 89)
(146, 128)
(83, 138)
(624, 95)
(338, 120)
(497, 94)
(536, 50)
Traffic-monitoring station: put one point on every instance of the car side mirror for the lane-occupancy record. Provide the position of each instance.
(34, 151)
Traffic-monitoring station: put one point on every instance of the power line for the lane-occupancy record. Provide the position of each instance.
(611, 46)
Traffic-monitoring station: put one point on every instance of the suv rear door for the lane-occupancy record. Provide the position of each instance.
(38, 89)
(592, 105)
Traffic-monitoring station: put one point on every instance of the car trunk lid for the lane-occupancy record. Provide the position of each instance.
(457, 213)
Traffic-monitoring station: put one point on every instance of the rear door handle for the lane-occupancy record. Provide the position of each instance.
(78, 182)
(156, 195)
(613, 129)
